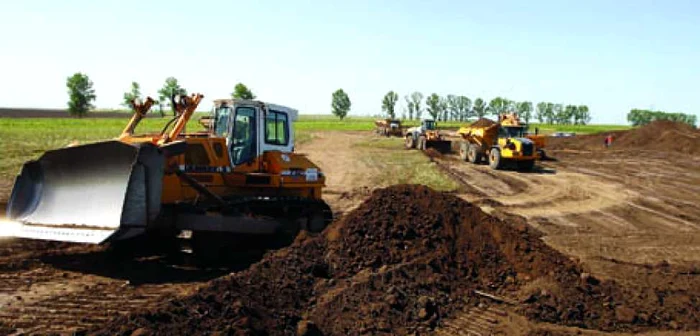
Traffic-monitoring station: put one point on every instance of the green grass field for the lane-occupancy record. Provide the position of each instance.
(26, 138)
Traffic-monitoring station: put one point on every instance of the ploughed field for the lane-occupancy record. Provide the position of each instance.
(602, 240)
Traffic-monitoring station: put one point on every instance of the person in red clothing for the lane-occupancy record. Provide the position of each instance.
(608, 141)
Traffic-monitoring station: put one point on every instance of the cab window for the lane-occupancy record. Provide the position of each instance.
(276, 128)
(221, 122)
(243, 137)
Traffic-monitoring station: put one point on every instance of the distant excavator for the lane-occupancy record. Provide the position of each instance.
(502, 142)
(239, 176)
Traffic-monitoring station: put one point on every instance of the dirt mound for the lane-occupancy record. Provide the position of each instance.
(402, 262)
(659, 135)
(483, 122)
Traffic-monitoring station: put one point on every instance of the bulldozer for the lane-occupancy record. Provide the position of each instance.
(388, 127)
(426, 136)
(499, 142)
(240, 175)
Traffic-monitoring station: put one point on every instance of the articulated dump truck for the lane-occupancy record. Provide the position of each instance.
(240, 175)
(501, 143)
(388, 127)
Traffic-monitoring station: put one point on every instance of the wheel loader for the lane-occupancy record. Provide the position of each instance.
(426, 136)
(240, 175)
(499, 142)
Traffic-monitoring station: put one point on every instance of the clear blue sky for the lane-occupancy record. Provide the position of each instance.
(610, 55)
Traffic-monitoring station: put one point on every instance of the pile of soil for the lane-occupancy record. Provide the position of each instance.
(483, 122)
(401, 263)
(660, 135)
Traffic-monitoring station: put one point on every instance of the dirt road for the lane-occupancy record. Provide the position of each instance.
(619, 212)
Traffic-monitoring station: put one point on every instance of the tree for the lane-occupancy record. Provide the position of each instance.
(558, 113)
(433, 105)
(479, 108)
(416, 98)
(525, 110)
(464, 108)
(340, 105)
(549, 113)
(389, 103)
(410, 107)
(541, 114)
(131, 95)
(642, 117)
(170, 89)
(498, 106)
(583, 116)
(453, 106)
(444, 109)
(570, 112)
(240, 91)
(509, 105)
(80, 94)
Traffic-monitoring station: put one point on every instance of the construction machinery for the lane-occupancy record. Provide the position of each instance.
(240, 175)
(499, 142)
(388, 127)
(427, 136)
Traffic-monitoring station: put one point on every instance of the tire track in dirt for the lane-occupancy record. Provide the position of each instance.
(49, 287)
(607, 207)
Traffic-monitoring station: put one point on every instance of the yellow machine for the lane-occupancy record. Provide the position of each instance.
(511, 120)
(426, 136)
(388, 127)
(500, 142)
(239, 176)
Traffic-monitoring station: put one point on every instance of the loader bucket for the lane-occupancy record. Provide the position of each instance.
(442, 146)
(89, 194)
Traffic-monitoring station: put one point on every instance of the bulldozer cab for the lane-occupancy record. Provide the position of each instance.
(252, 128)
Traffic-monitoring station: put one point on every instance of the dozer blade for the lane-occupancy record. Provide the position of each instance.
(442, 146)
(90, 194)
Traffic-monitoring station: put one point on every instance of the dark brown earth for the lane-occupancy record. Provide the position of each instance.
(401, 263)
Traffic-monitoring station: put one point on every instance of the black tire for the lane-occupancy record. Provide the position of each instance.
(495, 160)
(473, 154)
(422, 143)
(526, 165)
(410, 143)
(463, 149)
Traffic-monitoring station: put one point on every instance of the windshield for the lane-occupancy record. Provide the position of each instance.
(429, 124)
(513, 132)
(221, 122)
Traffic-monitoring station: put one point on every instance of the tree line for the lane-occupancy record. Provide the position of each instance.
(461, 108)
(81, 94)
(640, 117)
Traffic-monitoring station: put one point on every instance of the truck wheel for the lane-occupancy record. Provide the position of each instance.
(410, 143)
(473, 154)
(463, 149)
(495, 158)
(422, 143)
(526, 165)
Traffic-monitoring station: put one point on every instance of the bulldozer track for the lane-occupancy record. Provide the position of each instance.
(83, 308)
(66, 288)
(475, 321)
